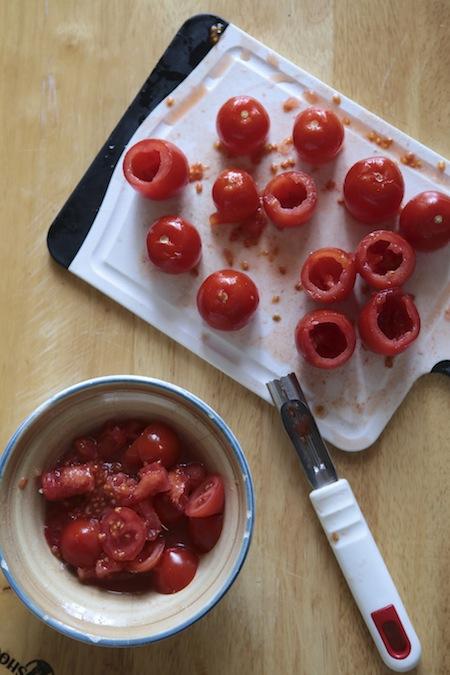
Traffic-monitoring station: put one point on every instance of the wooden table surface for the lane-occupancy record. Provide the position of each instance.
(69, 68)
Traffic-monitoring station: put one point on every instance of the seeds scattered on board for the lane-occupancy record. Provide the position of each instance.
(275, 299)
(170, 101)
(198, 188)
(245, 266)
(290, 104)
(410, 159)
(441, 166)
(381, 141)
(346, 121)
(276, 318)
(197, 172)
(336, 99)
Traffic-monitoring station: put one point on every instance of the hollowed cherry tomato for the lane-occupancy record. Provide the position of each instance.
(325, 338)
(158, 442)
(389, 322)
(80, 546)
(146, 560)
(123, 534)
(318, 135)
(290, 199)
(175, 569)
(425, 221)
(173, 245)
(227, 299)
(373, 190)
(156, 168)
(67, 481)
(328, 274)
(384, 259)
(235, 196)
(205, 532)
(208, 499)
(242, 124)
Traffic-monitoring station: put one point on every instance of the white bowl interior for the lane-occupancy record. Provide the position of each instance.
(55, 592)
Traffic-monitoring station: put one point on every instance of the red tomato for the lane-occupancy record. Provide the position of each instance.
(167, 511)
(133, 428)
(290, 199)
(326, 339)
(205, 532)
(227, 299)
(156, 168)
(104, 568)
(86, 447)
(318, 135)
(389, 322)
(80, 545)
(153, 479)
(151, 519)
(425, 221)
(208, 499)
(158, 442)
(243, 125)
(175, 569)
(124, 534)
(235, 196)
(67, 481)
(328, 274)
(373, 190)
(384, 259)
(112, 440)
(147, 558)
(174, 245)
(183, 479)
(195, 472)
(120, 487)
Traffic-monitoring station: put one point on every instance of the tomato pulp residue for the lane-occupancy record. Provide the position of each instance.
(198, 188)
(276, 318)
(320, 411)
(389, 361)
(441, 166)
(23, 482)
(170, 101)
(381, 141)
(346, 121)
(197, 172)
(298, 287)
(288, 163)
(275, 299)
(310, 96)
(410, 159)
(229, 257)
(336, 99)
(250, 230)
(290, 104)
(285, 147)
(245, 266)
(329, 185)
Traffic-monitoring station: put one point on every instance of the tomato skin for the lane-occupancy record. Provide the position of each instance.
(205, 532)
(174, 245)
(373, 190)
(290, 199)
(67, 481)
(425, 221)
(389, 322)
(208, 499)
(318, 135)
(156, 168)
(80, 545)
(168, 513)
(242, 125)
(123, 534)
(175, 569)
(227, 300)
(158, 442)
(148, 558)
(326, 339)
(235, 195)
(328, 274)
(384, 259)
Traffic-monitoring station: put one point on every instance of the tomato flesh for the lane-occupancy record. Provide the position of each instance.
(373, 190)
(208, 499)
(175, 570)
(389, 323)
(67, 481)
(318, 135)
(384, 259)
(328, 274)
(235, 196)
(290, 199)
(326, 339)
(227, 300)
(156, 168)
(174, 245)
(242, 125)
(124, 534)
(425, 221)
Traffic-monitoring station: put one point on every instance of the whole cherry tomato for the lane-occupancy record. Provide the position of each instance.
(290, 199)
(235, 196)
(158, 442)
(326, 339)
(384, 259)
(425, 221)
(389, 322)
(373, 190)
(175, 569)
(227, 299)
(156, 168)
(174, 244)
(318, 135)
(243, 125)
(328, 274)
(205, 532)
(80, 545)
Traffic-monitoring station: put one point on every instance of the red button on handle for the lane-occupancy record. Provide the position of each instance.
(392, 632)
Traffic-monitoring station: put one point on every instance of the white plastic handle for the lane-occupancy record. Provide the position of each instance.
(367, 575)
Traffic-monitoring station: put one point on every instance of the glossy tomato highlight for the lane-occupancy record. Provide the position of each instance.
(156, 168)
(328, 274)
(326, 339)
(242, 125)
(373, 190)
(425, 221)
(227, 299)
(318, 135)
(174, 245)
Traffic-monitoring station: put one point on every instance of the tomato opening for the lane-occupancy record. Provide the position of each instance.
(145, 165)
(328, 339)
(382, 258)
(326, 273)
(289, 194)
(394, 319)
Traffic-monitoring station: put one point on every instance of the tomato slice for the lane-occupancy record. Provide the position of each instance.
(318, 135)
(326, 339)
(120, 487)
(242, 125)
(146, 560)
(384, 259)
(205, 532)
(123, 534)
(158, 442)
(290, 199)
(153, 478)
(67, 481)
(174, 245)
(425, 221)
(80, 545)
(328, 274)
(389, 322)
(175, 569)
(208, 499)
(195, 472)
(106, 567)
(227, 299)
(235, 196)
(373, 190)
(156, 168)
(151, 519)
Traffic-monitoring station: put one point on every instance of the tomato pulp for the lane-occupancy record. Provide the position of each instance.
(156, 168)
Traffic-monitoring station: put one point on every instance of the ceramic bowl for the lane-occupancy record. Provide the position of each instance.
(43, 583)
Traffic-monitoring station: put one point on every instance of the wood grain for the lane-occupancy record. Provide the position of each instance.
(69, 69)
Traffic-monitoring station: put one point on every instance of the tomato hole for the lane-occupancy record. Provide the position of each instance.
(382, 258)
(328, 339)
(289, 194)
(326, 273)
(145, 165)
(394, 320)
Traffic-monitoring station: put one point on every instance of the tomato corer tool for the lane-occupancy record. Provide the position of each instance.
(348, 533)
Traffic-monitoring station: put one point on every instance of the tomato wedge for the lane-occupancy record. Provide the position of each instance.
(67, 481)
(123, 534)
(208, 499)
(290, 199)
(147, 558)
(156, 168)
(153, 478)
(384, 259)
